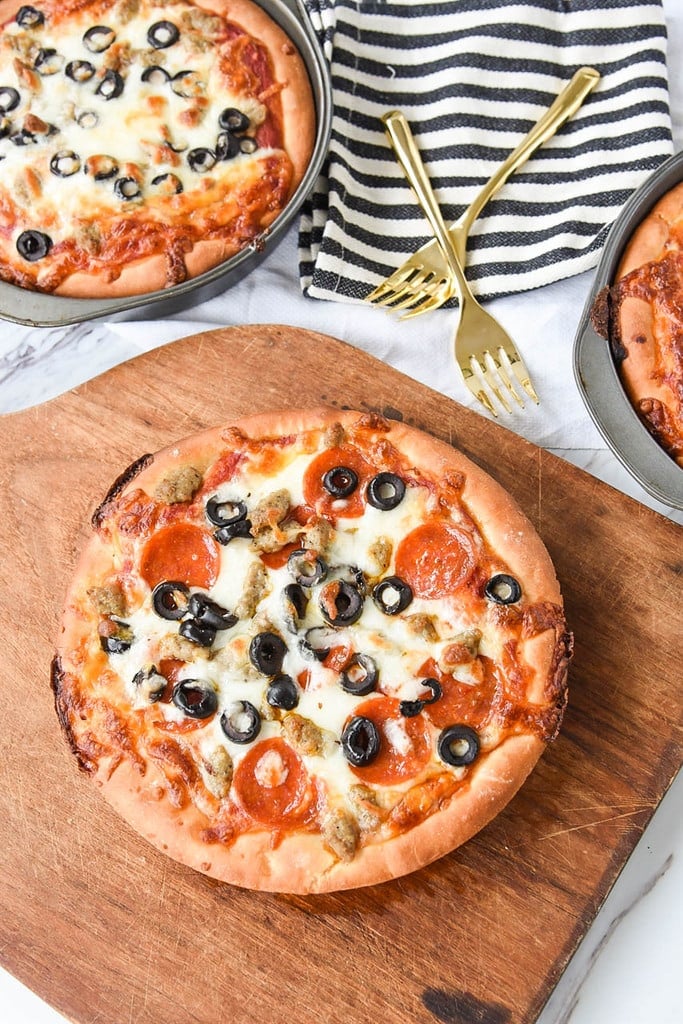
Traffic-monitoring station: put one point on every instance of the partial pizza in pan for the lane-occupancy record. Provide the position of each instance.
(143, 142)
(646, 322)
(311, 650)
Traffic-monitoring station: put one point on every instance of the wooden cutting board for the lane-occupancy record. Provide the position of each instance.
(107, 929)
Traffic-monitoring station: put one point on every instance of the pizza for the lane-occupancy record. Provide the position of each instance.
(310, 650)
(646, 322)
(143, 142)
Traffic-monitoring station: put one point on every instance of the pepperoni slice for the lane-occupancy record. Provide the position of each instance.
(462, 703)
(435, 559)
(404, 743)
(271, 783)
(319, 498)
(182, 552)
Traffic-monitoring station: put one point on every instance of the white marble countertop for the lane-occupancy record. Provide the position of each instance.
(627, 969)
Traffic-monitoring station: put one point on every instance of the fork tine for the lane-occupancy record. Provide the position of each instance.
(424, 305)
(399, 279)
(491, 384)
(476, 387)
(496, 368)
(516, 364)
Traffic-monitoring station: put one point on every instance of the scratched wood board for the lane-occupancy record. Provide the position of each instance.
(105, 928)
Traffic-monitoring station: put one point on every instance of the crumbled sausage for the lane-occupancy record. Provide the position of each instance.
(340, 833)
(380, 553)
(461, 649)
(270, 511)
(218, 770)
(109, 599)
(179, 485)
(174, 646)
(318, 536)
(422, 625)
(334, 435)
(305, 736)
(365, 806)
(252, 590)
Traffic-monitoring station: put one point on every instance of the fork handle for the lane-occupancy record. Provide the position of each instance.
(409, 157)
(564, 106)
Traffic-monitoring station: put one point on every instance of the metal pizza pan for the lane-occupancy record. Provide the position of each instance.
(37, 309)
(594, 367)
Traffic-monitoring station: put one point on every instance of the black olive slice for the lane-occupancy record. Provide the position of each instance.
(267, 652)
(197, 632)
(295, 601)
(306, 568)
(222, 513)
(360, 741)
(411, 708)
(503, 589)
(127, 188)
(435, 686)
(340, 481)
(156, 75)
(29, 17)
(360, 675)
(23, 138)
(209, 613)
(195, 698)
(458, 745)
(224, 534)
(241, 722)
(33, 245)
(111, 85)
(115, 644)
(385, 491)
(248, 145)
(162, 34)
(5, 127)
(227, 146)
(341, 603)
(169, 184)
(283, 693)
(48, 61)
(87, 119)
(9, 99)
(170, 599)
(318, 641)
(98, 38)
(151, 682)
(233, 120)
(65, 163)
(79, 70)
(201, 159)
(187, 84)
(392, 595)
(101, 167)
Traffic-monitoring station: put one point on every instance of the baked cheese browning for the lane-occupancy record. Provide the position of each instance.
(346, 683)
(121, 141)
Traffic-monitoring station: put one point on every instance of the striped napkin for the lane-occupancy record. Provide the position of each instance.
(472, 76)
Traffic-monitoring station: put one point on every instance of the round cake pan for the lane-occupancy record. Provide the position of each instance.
(37, 309)
(594, 368)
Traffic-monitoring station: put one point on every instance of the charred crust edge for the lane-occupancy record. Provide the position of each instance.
(56, 680)
(101, 512)
(604, 318)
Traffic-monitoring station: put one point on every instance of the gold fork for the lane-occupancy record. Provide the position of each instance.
(484, 351)
(422, 282)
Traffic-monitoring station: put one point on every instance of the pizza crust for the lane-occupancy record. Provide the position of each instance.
(300, 862)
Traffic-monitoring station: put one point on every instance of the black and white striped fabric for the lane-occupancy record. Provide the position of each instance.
(472, 76)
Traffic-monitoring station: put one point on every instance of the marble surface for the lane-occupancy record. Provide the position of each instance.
(627, 969)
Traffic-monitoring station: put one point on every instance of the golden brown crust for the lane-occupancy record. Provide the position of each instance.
(197, 245)
(647, 322)
(299, 862)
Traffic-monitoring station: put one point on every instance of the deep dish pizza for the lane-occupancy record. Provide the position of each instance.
(143, 142)
(311, 650)
(646, 322)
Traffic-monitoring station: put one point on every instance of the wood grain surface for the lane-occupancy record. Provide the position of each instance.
(108, 930)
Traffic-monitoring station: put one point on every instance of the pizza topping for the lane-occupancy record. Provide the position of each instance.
(385, 491)
(29, 17)
(503, 589)
(197, 633)
(98, 38)
(458, 745)
(306, 567)
(241, 722)
(283, 693)
(188, 84)
(360, 741)
(340, 481)
(149, 684)
(88, 119)
(79, 70)
(317, 494)
(360, 675)
(232, 120)
(318, 641)
(9, 99)
(115, 637)
(209, 613)
(127, 188)
(392, 595)
(162, 34)
(108, 598)
(111, 85)
(168, 184)
(227, 146)
(156, 75)
(226, 512)
(33, 245)
(248, 145)
(101, 167)
(435, 559)
(294, 603)
(270, 783)
(48, 61)
(411, 708)
(218, 771)
(341, 603)
(305, 736)
(195, 698)
(170, 599)
(340, 832)
(404, 746)
(266, 653)
(65, 163)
